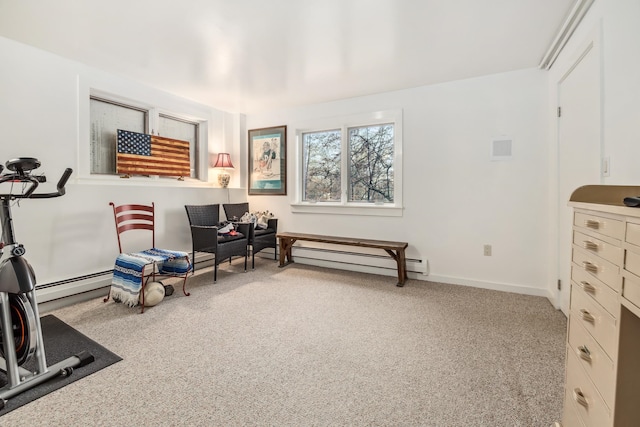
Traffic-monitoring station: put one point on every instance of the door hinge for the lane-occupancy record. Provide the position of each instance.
(559, 284)
(559, 111)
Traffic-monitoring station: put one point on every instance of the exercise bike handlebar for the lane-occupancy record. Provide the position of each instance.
(35, 181)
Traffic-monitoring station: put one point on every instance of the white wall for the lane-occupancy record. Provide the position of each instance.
(455, 198)
(612, 25)
(44, 113)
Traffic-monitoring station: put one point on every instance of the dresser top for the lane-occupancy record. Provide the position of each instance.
(607, 198)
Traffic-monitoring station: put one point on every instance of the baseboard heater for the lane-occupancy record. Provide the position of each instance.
(356, 261)
(73, 286)
(90, 282)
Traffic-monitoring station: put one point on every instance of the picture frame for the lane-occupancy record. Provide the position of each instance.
(268, 161)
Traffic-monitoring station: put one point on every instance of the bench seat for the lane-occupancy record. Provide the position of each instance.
(395, 249)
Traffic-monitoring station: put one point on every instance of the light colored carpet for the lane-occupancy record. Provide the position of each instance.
(305, 346)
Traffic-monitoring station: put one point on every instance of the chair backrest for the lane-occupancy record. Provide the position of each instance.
(234, 211)
(134, 217)
(203, 215)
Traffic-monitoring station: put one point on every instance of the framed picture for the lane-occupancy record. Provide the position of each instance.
(268, 161)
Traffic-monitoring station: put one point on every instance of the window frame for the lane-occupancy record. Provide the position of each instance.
(85, 176)
(344, 206)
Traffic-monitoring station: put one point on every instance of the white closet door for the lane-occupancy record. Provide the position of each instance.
(579, 148)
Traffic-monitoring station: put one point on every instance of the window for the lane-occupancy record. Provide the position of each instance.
(321, 171)
(107, 116)
(371, 163)
(355, 163)
(185, 130)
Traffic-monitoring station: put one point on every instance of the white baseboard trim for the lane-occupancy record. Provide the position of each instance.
(496, 286)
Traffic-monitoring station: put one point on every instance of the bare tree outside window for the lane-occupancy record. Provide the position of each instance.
(321, 158)
(371, 163)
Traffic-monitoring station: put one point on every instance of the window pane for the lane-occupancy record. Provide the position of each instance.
(106, 119)
(371, 163)
(183, 130)
(321, 163)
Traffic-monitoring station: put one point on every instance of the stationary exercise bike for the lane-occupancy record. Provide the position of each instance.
(20, 321)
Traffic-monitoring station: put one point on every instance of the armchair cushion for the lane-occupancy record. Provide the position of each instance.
(264, 231)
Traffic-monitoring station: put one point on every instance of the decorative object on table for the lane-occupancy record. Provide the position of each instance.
(223, 161)
(268, 161)
(259, 237)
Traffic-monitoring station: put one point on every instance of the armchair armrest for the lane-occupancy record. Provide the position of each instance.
(273, 223)
(205, 237)
(246, 228)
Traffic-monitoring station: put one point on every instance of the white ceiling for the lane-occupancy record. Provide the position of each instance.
(253, 55)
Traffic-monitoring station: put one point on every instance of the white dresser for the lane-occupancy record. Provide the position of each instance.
(602, 384)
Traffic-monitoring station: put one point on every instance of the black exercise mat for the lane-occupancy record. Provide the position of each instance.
(60, 342)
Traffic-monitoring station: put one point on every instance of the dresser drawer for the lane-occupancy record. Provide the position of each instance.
(598, 267)
(610, 252)
(580, 391)
(631, 290)
(596, 289)
(600, 324)
(633, 234)
(593, 360)
(570, 416)
(609, 227)
(632, 262)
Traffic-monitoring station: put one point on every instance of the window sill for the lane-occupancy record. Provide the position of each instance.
(352, 209)
(142, 181)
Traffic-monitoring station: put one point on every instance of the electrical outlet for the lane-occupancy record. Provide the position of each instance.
(487, 250)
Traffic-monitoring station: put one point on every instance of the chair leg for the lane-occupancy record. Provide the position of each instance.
(245, 262)
(253, 260)
(215, 271)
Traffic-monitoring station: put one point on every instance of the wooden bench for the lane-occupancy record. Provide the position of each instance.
(394, 249)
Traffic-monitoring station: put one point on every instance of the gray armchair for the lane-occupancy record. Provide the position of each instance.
(204, 220)
(259, 239)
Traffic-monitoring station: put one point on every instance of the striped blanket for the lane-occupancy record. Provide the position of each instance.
(129, 269)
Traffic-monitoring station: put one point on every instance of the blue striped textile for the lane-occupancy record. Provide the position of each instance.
(129, 269)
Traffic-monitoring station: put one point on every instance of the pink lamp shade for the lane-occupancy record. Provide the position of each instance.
(222, 162)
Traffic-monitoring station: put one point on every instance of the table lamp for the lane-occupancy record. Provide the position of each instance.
(223, 162)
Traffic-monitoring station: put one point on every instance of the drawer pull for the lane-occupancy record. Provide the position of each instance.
(589, 245)
(584, 353)
(579, 397)
(588, 287)
(589, 266)
(592, 223)
(586, 316)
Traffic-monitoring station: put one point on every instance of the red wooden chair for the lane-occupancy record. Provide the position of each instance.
(133, 270)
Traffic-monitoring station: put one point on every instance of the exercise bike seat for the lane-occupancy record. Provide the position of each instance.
(23, 164)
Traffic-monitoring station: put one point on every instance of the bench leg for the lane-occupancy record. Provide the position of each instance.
(401, 261)
(285, 250)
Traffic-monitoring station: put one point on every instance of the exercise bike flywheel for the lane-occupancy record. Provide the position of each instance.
(24, 328)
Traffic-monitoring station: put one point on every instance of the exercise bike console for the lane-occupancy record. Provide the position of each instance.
(20, 328)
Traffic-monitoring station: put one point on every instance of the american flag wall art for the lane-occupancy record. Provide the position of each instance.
(142, 154)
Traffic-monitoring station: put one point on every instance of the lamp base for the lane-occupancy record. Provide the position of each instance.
(223, 179)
